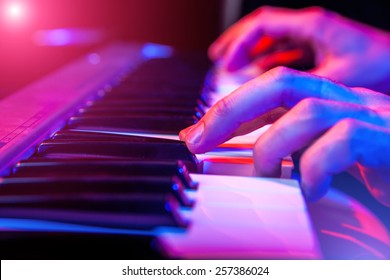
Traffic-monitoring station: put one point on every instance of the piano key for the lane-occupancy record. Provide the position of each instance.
(127, 211)
(157, 99)
(82, 135)
(105, 219)
(124, 102)
(161, 124)
(128, 114)
(40, 167)
(95, 184)
(139, 110)
(158, 203)
(67, 176)
(163, 150)
(142, 90)
(194, 108)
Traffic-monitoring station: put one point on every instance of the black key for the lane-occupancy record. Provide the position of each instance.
(94, 185)
(105, 210)
(124, 114)
(120, 101)
(84, 135)
(150, 124)
(138, 110)
(140, 203)
(162, 150)
(38, 167)
(164, 90)
(117, 101)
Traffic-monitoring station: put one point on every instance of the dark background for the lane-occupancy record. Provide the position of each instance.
(187, 24)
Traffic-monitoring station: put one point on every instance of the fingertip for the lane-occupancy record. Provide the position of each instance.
(235, 61)
(214, 51)
(269, 169)
(315, 191)
(183, 133)
(192, 136)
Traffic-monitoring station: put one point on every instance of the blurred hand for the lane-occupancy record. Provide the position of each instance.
(344, 50)
(339, 128)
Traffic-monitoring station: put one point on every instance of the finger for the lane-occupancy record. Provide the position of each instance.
(348, 142)
(280, 58)
(263, 45)
(301, 25)
(300, 127)
(245, 128)
(338, 68)
(347, 69)
(374, 99)
(279, 87)
(262, 120)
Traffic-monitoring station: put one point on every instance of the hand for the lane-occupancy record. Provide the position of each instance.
(344, 50)
(339, 127)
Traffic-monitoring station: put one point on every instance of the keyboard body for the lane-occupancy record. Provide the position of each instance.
(90, 157)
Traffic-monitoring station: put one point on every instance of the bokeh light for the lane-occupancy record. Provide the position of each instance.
(14, 11)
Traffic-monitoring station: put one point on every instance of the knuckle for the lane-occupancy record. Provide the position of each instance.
(311, 107)
(318, 16)
(317, 10)
(325, 87)
(279, 73)
(264, 9)
(286, 80)
(348, 129)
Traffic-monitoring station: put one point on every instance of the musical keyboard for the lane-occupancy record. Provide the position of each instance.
(90, 158)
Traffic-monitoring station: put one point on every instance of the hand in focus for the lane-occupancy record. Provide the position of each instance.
(344, 50)
(337, 127)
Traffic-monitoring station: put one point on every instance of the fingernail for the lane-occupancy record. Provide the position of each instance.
(194, 135)
(183, 133)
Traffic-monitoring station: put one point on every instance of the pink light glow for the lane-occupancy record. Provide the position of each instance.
(67, 36)
(14, 13)
(14, 10)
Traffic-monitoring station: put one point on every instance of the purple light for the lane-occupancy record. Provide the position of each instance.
(56, 37)
(94, 58)
(67, 36)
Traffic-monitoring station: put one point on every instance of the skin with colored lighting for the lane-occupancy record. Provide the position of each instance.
(346, 51)
(335, 127)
